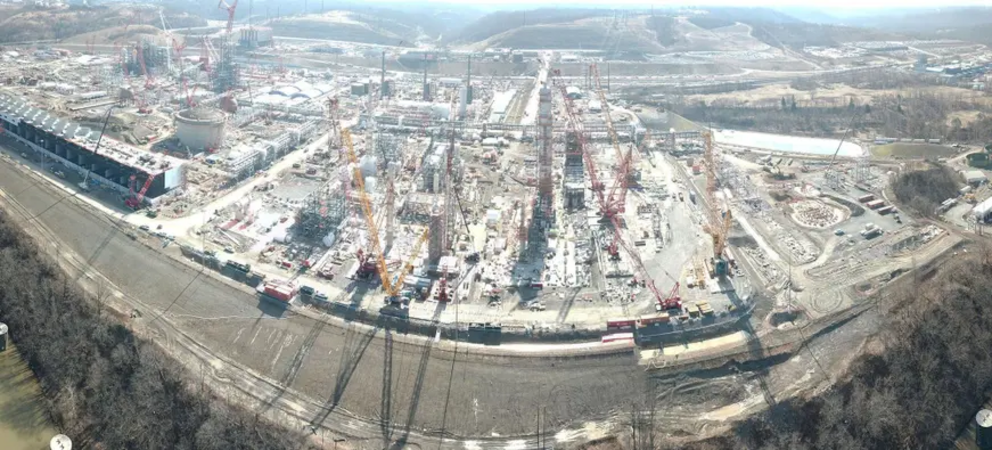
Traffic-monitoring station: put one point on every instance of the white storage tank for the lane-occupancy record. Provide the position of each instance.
(200, 128)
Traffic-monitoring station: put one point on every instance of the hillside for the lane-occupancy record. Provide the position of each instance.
(798, 35)
(500, 22)
(349, 27)
(29, 24)
(587, 34)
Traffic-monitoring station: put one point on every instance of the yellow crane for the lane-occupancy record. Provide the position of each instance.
(395, 286)
(392, 287)
(719, 221)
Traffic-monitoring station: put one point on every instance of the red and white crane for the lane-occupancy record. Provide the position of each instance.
(611, 206)
(230, 12)
(134, 200)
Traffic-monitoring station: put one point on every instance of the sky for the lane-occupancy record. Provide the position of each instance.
(826, 5)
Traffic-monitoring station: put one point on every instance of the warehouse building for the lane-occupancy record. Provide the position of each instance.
(73, 145)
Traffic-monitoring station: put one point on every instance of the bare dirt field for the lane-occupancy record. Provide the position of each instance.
(832, 94)
(899, 150)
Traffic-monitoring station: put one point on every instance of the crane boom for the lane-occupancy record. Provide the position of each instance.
(230, 12)
(409, 264)
(719, 221)
(387, 283)
(614, 139)
(575, 124)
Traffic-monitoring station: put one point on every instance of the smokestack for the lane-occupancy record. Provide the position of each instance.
(468, 82)
(427, 94)
(382, 81)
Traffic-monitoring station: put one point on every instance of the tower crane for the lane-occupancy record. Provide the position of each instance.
(719, 221)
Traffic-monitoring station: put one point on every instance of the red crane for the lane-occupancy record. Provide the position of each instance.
(134, 200)
(230, 12)
(140, 51)
(612, 206)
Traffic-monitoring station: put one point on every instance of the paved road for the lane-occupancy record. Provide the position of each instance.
(337, 371)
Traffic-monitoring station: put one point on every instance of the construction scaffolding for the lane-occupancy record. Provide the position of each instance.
(387, 148)
(323, 210)
(573, 183)
(862, 168)
(226, 75)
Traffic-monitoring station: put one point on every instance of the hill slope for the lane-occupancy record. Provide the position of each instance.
(349, 27)
(28, 23)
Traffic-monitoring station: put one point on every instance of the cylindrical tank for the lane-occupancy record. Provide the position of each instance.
(3, 337)
(200, 128)
(983, 429)
(368, 166)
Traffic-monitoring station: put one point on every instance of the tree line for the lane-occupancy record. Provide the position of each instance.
(104, 386)
(932, 375)
(915, 115)
(924, 190)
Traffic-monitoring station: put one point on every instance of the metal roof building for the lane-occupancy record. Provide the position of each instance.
(74, 145)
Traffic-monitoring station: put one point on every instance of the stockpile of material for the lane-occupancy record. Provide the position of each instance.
(812, 213)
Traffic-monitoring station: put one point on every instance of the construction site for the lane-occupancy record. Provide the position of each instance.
(536, 204)
(541, 204)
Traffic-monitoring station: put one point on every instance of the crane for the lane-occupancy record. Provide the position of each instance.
(135, 199)
(669, 301)
(394, 293)
(719, 221)
(230, 12)
(149, 81)
(183, 81)
(380, 259)
(614, 139)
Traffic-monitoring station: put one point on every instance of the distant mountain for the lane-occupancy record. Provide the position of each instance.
(751, 15)
(499, 22)
(926, 20)
(811, 15)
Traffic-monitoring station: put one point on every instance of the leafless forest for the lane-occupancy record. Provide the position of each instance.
(104, 386)
(917, 386)
(924, 190)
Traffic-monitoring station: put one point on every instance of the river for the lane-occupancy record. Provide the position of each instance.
(24, 423)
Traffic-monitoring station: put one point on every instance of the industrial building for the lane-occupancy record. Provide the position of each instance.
(111, 165)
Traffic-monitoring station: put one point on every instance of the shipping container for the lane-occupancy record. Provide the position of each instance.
(283, 292)
(621, 324)
(886, 209)
(653, 320)
(866, 198)
(875, 204)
